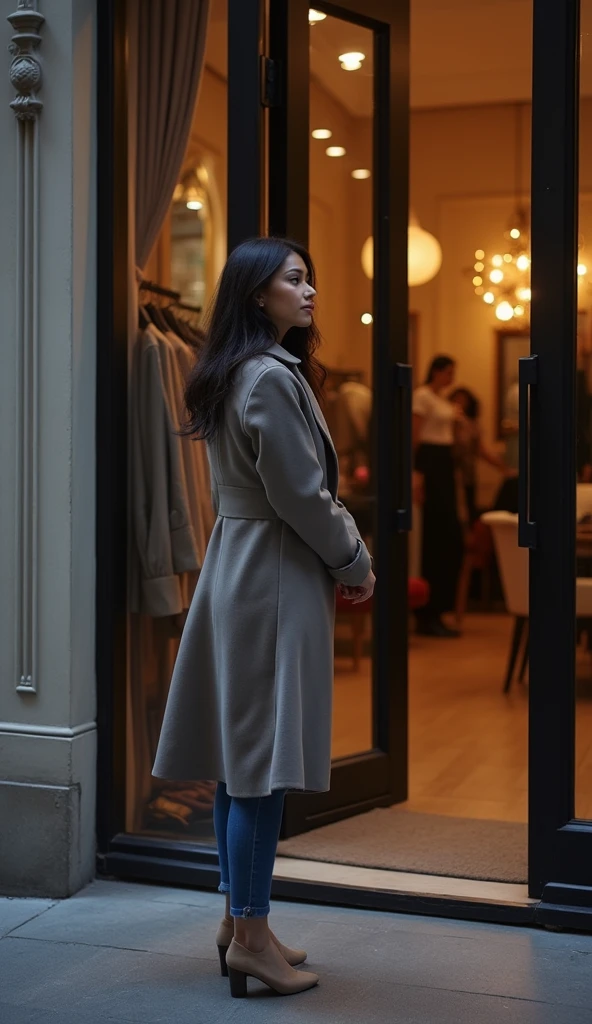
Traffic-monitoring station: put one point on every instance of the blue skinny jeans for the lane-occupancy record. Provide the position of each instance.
(247, 831)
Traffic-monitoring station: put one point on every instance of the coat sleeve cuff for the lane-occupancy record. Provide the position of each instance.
(355, 573)
(162, 596)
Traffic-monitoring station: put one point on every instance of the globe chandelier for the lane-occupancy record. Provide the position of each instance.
(502, 279)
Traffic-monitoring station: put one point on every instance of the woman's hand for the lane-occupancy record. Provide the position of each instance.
(357, 595)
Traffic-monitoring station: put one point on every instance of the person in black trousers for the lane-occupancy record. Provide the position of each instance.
(434, 420)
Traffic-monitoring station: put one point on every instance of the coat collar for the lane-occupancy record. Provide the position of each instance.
(278, 352)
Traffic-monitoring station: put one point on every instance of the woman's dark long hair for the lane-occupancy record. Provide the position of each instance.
(238, 328)
(438, 364)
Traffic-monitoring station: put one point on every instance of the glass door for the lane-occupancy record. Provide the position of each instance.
(336, 83)
(556, 465)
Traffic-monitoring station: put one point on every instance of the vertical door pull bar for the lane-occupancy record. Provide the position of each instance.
(527, 379)
(403, 383)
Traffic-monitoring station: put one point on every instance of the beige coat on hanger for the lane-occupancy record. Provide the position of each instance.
(250, 702)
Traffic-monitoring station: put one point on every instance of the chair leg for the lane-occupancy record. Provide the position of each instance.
(514, 650)
(524, 657)
(462, 590)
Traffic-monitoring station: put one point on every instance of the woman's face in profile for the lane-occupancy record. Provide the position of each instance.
(288, 300)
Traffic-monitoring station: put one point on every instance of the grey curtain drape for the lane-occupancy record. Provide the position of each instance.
(168, 37)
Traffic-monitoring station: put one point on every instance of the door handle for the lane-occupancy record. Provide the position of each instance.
(404, 384)
(527, 379)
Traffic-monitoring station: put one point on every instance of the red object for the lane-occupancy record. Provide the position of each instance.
(418, 595)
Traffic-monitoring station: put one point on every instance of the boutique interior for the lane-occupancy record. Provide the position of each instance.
(469, 299)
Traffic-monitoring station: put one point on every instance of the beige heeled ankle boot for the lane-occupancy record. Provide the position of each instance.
(269, 966)
(225, 935)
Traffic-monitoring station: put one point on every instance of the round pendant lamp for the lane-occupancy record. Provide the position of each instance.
(424, 255)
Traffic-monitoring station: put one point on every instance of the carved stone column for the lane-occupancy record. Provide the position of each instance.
(26, 77)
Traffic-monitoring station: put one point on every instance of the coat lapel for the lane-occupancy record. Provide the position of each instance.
(280, 353)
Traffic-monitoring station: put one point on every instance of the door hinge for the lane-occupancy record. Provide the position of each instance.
(270, 82)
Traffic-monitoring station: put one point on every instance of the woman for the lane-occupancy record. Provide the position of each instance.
(250, 699)
(469, 447)
(434, 486)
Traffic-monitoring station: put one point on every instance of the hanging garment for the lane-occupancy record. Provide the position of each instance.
(250, 702)
(165, 543)
(195, 451)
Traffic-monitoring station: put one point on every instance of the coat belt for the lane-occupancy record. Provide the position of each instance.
(244, 503)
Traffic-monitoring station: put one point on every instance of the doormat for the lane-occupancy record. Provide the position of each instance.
(429, 844)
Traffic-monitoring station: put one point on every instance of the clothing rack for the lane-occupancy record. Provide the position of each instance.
(159, 289)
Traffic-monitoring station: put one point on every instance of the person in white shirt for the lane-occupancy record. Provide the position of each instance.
(435, 488)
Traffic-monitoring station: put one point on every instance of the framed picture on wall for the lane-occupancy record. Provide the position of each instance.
(510, 347)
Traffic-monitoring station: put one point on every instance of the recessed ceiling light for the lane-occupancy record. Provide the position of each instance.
(361, 173)
(351, 61)
(335, 151)
(367, 318)
(322, 133)
(315, 16)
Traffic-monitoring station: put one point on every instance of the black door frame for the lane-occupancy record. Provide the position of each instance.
(560, 846)
(376, 778)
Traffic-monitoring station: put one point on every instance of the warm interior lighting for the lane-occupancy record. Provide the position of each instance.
(507, 257)
(489, 298)
(367, 318)
(479, 254)
(193, 199)
(524, 294)
(335, 151)
(351, 61)
(515, 233)
(477, 280)
(322, 133)
(479, 290)
(582, 269)
(497, 260)
(496, 276)
(519, 310)
(504, 311)
(424, 255)
(315, 16)
(479, 267)
(361, 173)
(523, 262)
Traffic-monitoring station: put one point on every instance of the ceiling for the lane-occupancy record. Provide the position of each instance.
(463, 52)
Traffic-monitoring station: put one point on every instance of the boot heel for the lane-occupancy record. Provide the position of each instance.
(222, 951)
(238, 983)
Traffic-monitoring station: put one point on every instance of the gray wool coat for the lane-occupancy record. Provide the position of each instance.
(250, 702)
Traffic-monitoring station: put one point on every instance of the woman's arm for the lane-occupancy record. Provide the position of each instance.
(292, 476)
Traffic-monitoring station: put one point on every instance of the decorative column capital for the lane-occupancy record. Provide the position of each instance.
(25, 69)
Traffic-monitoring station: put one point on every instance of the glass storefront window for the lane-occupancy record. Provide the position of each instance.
(340, 229)
(187, 260)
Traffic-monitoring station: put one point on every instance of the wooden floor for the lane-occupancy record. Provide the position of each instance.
(468, 741)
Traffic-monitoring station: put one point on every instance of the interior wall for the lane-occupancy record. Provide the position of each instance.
(462, 164)
(462, 182)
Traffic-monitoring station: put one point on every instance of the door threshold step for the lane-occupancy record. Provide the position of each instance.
(403, 883)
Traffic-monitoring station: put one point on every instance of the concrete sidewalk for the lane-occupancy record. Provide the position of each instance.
(120, 952)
